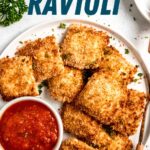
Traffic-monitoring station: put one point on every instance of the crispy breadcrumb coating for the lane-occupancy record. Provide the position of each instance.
(83, 46)
(17, 78)
(127, 120)
(75, 144)
(84, 127)
(65, 86)
(46, 57)
(111, 103)
(102, 96)
(113, 60)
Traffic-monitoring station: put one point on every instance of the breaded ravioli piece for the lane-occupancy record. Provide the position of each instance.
(66, 86)
(84, 127)
(75, 144)
(128, 120)
(114, 61)
(120, 142)
(16, 78)
(46, 57)
(83, 46)
(102, 96)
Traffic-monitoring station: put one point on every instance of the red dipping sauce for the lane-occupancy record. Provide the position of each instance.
(28, 125)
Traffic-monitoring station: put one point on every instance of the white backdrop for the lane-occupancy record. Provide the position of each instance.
(129, 24)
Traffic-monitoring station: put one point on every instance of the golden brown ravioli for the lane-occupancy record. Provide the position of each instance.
(114, 61)
(67, 85)
(127, 120)
(83, 46)
(84, 127)
(17, 78)
(46, 57)
(102, 96)
(75, 144)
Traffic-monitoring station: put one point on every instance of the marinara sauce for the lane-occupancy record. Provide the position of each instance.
(28, 125)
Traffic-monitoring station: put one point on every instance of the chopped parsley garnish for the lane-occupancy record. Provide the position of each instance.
(43, 84)
(135, 80)
(62, 26)
(40, 88)
(140, 74)
(20, 42)
(11, 11)
(146, 37)
(126, 51)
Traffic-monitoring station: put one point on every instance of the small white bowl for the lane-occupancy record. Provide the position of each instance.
(144, 8)
(36, 99)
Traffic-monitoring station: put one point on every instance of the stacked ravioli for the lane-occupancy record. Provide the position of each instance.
(86, 74)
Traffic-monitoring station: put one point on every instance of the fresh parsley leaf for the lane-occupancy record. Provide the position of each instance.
(11, 11)
(40, 89)
(62, 26)
(43, 84)
(126, 51)
(146, 37)
(20, 42)
(140, 74)
(135, 80)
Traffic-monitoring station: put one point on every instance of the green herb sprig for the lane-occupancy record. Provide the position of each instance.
(43, 84)
(62, 26)
(11, 11)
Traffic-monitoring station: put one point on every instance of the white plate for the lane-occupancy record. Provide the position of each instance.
(144, 8)
(49, 28)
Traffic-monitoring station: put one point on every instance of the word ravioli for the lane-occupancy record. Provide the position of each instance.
(90, 7)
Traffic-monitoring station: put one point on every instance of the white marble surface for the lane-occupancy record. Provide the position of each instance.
(135, 31)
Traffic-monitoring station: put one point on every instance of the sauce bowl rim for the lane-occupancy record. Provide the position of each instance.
(42, 101)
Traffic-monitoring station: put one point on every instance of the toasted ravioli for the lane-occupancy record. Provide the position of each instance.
(83, 46)
(114, 61)
(102, 96)
(84, 127)
(16, 78)
(46, 57)
(65, 86)
(75, 144)
(128, 119)
(120, 142)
